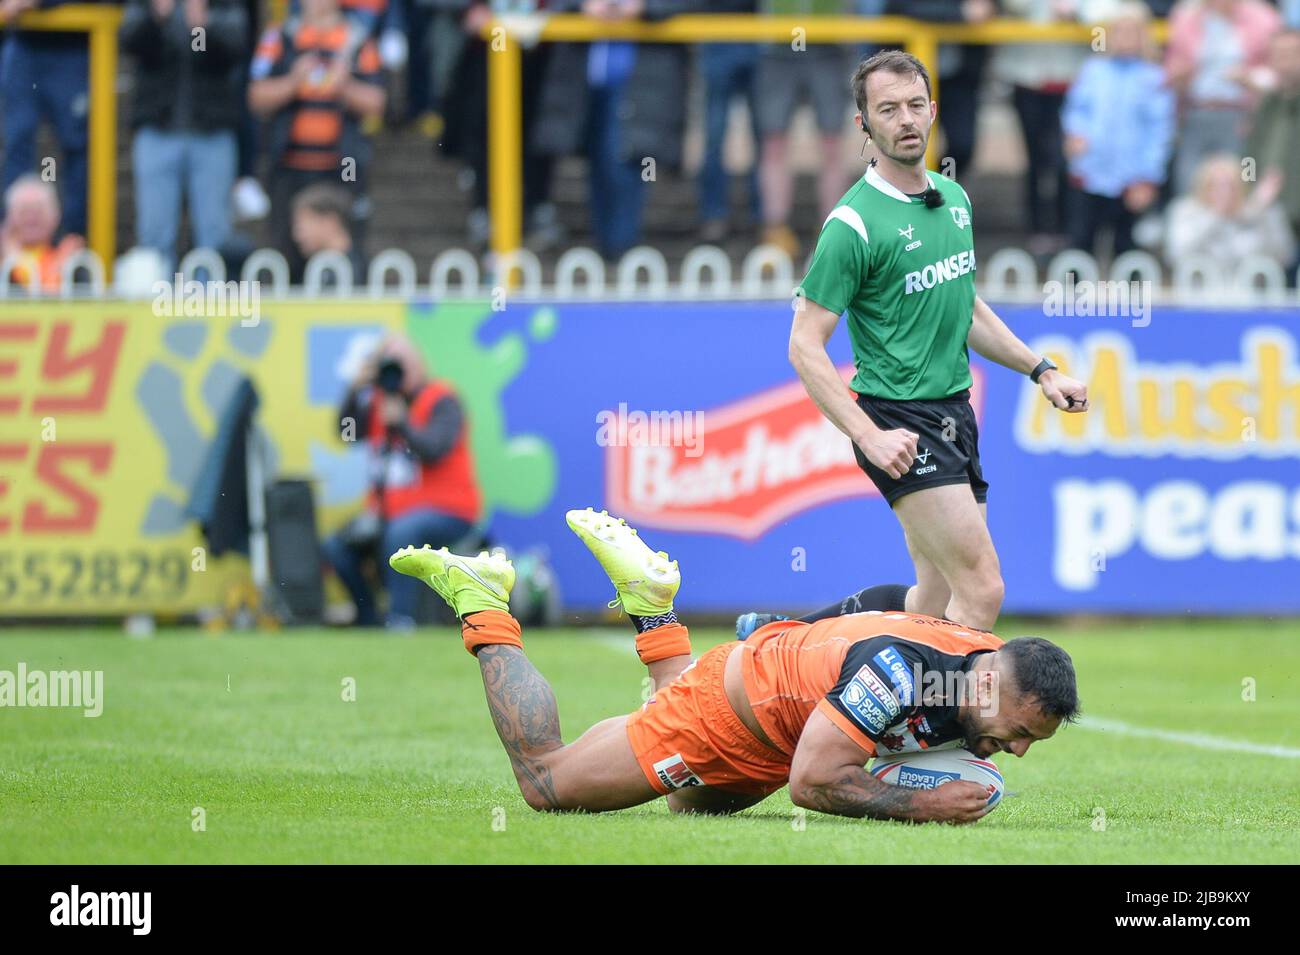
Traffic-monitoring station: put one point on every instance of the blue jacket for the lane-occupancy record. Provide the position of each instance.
(1124, 110)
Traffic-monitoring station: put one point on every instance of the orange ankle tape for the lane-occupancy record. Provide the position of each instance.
(670, 640)
(490, 626)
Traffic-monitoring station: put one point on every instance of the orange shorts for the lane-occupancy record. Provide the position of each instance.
(687, 734)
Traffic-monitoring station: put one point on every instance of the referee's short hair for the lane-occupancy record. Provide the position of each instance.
(894, 61)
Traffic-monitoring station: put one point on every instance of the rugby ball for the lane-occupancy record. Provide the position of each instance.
(927, 769)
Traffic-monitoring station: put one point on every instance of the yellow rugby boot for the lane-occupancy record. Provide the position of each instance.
(646, 581)
(468, 584)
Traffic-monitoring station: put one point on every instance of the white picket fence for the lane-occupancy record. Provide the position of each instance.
(706, 272)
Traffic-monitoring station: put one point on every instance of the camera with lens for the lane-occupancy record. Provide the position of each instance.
(388, 377)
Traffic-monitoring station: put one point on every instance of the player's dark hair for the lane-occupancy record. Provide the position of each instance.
(1042, 670)
(894, 61)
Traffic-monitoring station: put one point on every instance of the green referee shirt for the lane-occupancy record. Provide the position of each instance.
(905, 273)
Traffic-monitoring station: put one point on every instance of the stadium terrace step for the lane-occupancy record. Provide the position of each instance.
(420, 205)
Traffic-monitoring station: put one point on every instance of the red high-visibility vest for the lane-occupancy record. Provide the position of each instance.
(447, 485)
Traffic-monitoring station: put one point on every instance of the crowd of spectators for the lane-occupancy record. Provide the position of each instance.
(235, 120)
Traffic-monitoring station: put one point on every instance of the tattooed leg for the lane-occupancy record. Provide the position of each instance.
(524, 712)
(595, 773)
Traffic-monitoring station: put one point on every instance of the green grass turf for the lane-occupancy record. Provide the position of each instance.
(253, 729)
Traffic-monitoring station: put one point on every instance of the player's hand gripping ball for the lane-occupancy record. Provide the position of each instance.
(930, 768)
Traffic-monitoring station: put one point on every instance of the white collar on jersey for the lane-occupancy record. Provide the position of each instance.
(875, 179)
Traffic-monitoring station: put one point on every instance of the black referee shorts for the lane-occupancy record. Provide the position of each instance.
(947, 446)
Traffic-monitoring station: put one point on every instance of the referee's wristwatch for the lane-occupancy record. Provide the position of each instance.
(1045, 365)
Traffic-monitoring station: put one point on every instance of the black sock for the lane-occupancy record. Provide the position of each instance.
(879, 597)
(643, 624)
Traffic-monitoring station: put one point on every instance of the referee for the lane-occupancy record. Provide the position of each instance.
(897, 255)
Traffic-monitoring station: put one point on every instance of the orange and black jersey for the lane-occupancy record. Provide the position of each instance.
(315, 122)
(888, 680)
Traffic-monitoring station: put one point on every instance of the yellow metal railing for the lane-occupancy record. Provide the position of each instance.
(101, 23)
(505, 171)
(921, 39)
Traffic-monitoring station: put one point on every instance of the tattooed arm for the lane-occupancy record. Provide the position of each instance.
(827, 774)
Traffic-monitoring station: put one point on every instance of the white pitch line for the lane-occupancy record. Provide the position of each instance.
(1120, 728)
(620, 641)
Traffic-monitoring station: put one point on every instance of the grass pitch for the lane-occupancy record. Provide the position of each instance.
(254, 730)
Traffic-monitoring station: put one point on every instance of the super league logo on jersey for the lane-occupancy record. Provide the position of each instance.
(763, 459)
(960, 217)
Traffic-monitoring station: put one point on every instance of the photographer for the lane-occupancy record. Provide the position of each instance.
(421, 471)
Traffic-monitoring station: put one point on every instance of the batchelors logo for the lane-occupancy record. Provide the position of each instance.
(764, 458)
